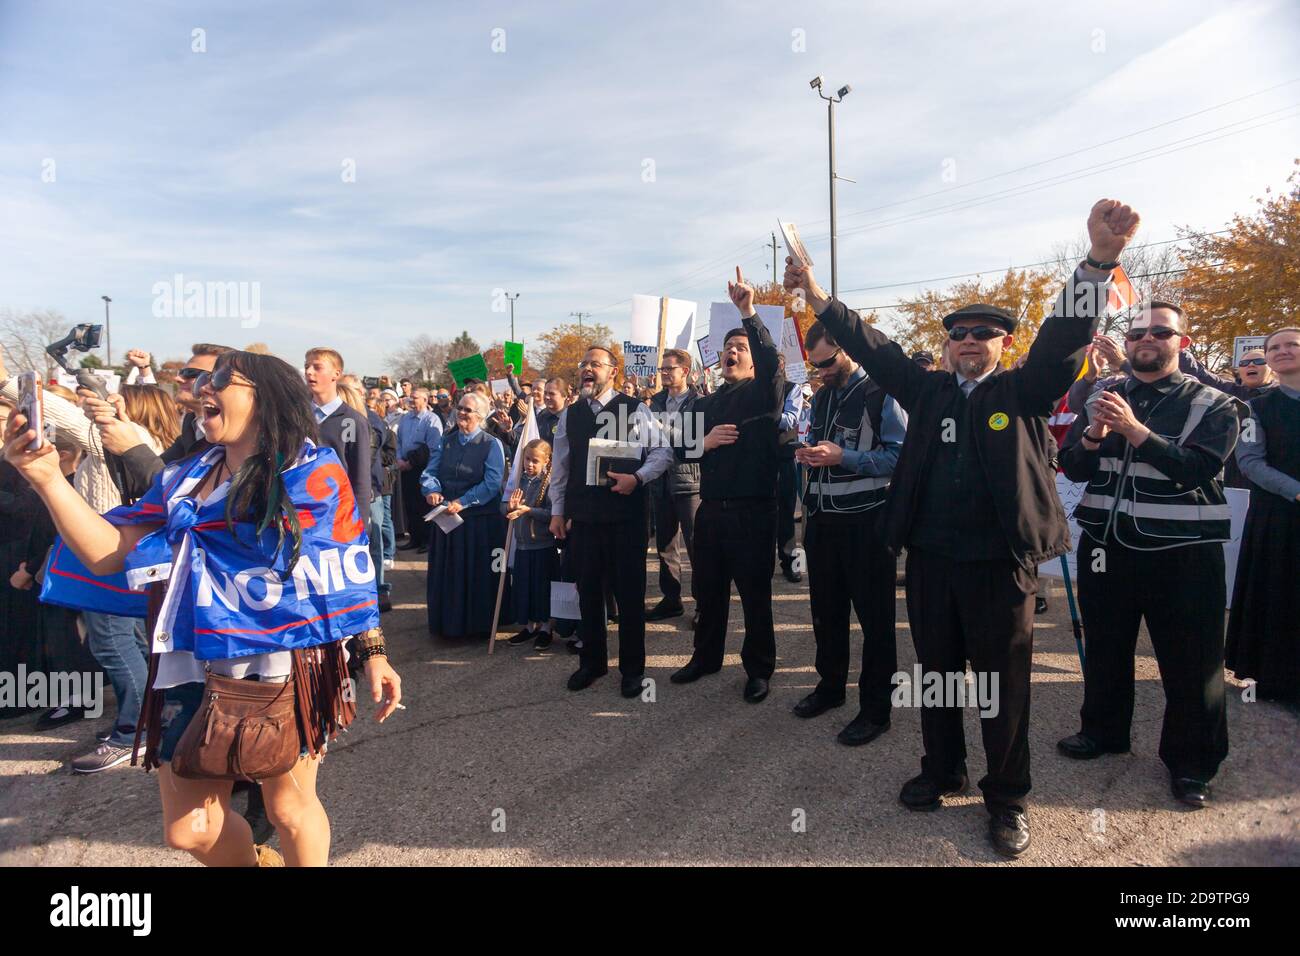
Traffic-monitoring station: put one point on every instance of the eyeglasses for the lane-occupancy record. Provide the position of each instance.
(219, 379)
(1254, 362)
(827, 363)
(665, 369)
(466, 410)
(1161, 332)
(981, 333)
(189, 373)
(586, 363)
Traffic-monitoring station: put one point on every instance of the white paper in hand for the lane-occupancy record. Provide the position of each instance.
(793, 244)
(445, 521)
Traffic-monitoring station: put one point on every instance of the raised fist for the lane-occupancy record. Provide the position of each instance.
(1111, 225)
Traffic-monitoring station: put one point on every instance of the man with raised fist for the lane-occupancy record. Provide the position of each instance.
(973, 499)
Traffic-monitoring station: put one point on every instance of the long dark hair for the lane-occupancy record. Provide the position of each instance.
(282, 415)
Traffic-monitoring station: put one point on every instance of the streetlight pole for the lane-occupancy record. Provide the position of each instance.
(108, 332)
(843, 91)
(512, 314)
(579, 316)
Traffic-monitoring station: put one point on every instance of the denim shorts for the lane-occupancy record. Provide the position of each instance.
(180, 704)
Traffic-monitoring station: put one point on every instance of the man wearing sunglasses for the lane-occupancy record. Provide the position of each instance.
(1154, 518)
(1256, 379)
(973, 499)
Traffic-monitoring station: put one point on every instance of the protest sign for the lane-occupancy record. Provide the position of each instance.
(513, 354)
(639, 360)
(472, 366)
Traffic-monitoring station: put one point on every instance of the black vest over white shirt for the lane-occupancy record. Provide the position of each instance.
(583, 502)
(852, 421)
(1137, 505)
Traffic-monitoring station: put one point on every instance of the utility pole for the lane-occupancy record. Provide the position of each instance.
(772, 245)
(843, 91)
(108, 333)
(512, 314)
(580, 316)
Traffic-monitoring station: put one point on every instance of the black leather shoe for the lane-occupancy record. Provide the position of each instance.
(791, 575)
(755, 689)
(408, 546)
(693, 671)
(631, 685)
(584, 677)
(922, 793)
(664, 610)
(1083, 747)
(816, 704)
(860, 731)
(385, 605)
(1009, 832)
(1194, 793)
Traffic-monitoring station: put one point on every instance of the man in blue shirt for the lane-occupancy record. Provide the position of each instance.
(419, 433)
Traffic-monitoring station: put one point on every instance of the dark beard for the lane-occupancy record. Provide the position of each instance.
(1154, 365)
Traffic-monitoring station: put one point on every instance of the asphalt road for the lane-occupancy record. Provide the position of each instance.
(495, 762)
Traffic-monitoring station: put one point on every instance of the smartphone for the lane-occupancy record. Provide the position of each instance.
(31, 403)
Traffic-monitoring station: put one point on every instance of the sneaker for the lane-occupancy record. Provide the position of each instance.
(104, 735)
(523, 637)
(58, 717)
(543, 641)
(104, 757)
(389, 564)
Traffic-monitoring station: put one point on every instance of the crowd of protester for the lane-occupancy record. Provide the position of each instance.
(948, 460)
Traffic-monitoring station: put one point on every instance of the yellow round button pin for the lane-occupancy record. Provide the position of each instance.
(998, 421)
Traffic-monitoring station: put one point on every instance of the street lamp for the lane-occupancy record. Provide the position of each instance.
(108, 333)
(843, 91)
(512, 314)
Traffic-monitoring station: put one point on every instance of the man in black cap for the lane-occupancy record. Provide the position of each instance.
(924, 359)
(973, 498)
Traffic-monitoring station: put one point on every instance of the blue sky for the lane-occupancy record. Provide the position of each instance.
(479, 170)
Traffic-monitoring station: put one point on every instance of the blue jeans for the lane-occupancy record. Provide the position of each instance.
(118, 645)
(390, 537)
(376, 532)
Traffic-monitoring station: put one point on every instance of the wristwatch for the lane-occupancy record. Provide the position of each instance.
(1103, 266)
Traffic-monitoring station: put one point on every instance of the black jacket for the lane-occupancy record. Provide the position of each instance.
(139, 465)
(1009, 412)
(348, 432)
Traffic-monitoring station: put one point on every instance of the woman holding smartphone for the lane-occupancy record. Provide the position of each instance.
(258, 504)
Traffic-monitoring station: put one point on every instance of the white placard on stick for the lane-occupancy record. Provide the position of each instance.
(708, 356)
(1244, 343)
(639, 360)
(679, 322)
(499, 386)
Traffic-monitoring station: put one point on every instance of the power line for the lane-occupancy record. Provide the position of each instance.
(1052, 159)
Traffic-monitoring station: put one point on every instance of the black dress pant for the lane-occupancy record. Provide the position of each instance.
(611, 556)
(415, 507)
(734, 542)
(982, 612)
(849, 566)
(786, 495)
(674, 517)
(1181, 594)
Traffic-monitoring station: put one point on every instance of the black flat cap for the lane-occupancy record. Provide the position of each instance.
(979, 310)
(923, 358)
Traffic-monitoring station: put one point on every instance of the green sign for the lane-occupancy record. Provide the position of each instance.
(472, 366)
(514, 355)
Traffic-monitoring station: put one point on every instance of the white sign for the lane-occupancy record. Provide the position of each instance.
(112, 381)
(564, 601)
(679, 322)
(1244, 343)
(708, 356)
(639, 360)
(1070, 492)
(499, 386)
(724, 316)
(793, 244)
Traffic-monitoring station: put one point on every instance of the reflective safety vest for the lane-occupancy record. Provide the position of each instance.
(851, 421)
(1138, 506)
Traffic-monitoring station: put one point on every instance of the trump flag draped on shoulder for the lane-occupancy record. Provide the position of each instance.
(232, 594)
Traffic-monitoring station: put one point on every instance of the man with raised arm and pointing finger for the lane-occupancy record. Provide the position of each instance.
(735, 525)
(973, 499)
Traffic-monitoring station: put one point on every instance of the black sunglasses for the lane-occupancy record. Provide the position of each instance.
(827, 363)
(981, 333)
(219, 379)
(189, 373)
(1254, 361)
(1160, 332)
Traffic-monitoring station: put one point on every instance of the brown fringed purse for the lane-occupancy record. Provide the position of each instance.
(251, 730)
